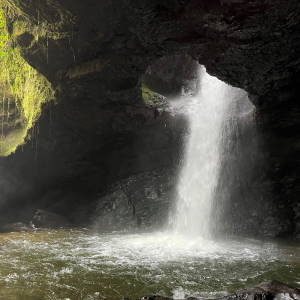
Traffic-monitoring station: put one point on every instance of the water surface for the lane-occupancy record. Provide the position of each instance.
(68, 264)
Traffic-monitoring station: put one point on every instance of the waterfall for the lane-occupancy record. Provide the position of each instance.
(210, 114)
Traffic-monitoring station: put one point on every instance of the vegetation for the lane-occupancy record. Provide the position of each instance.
(21, 83)
(152, 98)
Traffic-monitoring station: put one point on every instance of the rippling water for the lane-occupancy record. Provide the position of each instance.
(82, 265)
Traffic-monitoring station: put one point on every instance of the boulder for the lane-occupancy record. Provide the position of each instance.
(46, 219)
(142, 201)
(16, 227)
(265, 291)
(268, 290)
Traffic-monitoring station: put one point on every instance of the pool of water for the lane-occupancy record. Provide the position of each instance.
(68, 264)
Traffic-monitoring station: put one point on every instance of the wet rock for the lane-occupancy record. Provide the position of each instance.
(17, 227)
(45, 219)
(155, 298)
(265, 291)
(270, 290)
(173, 75)
(25, 39)
(115, 212)
(140, 201)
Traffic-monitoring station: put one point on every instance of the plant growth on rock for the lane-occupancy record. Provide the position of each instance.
(23, 89)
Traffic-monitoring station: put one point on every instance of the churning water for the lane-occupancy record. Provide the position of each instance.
(210, 112)
(80, 265)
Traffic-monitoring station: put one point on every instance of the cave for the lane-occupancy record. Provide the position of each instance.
(95, 134)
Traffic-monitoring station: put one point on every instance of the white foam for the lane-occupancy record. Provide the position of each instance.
(208, 114)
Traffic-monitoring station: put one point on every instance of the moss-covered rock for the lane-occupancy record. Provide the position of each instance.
(22, 88)
(153, 99)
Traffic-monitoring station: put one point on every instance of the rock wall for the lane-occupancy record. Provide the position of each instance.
(95, 53)
(78, 150)
(173, 76)
(140, 202)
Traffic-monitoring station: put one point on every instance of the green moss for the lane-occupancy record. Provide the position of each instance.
(24, 84)
(152, 98)
(40, 26)
(19, 27)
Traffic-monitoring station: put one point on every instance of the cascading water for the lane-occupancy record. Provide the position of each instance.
(210, 115)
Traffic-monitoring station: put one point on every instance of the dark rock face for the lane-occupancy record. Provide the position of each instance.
(45, 219)
(142, 201)
(16, 227)
(100, 131)
(64, 167)
(173, 75)
(41, 219)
